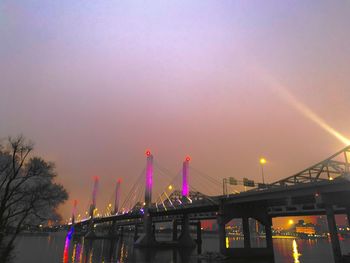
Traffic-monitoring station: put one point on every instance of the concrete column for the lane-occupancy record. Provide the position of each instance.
(136, 232)
(91, 232)
(147, 239)
(185, 238)
(111, 231)
(199, 237)
(174, 230)
(348, 215)
(332, 228)
(199, 232)
(148, 225)
(246, 232)
(120, 243)
(268, 233)
(222, 235)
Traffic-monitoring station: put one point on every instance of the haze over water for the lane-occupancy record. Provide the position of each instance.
(94, 84)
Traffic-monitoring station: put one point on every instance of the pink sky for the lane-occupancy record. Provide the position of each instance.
(95, 84)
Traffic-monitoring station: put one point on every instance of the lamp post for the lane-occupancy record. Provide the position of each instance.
(262, 163)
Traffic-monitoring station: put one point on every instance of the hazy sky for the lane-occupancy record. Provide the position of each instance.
(95, 83)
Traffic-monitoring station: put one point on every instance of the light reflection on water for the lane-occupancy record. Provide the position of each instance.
(296, 254)
(58, 248)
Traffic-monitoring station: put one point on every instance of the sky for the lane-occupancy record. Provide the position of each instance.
(95, 83)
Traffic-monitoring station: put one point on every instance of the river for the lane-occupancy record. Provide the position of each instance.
(57, 248)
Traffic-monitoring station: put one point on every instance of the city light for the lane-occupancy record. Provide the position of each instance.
(290, 222)
(170, 187)
(262, 161)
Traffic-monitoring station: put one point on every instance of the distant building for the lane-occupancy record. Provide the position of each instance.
(305, 228)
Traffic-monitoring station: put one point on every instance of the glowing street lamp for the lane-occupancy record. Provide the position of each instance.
(262, 163)
(170, 187)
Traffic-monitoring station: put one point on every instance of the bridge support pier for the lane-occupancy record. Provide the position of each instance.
(91, 232)
(199, 233)
(222, 235)
(147, 239)
(332, 227)
(232, 211)
(246, 232)
(185, 239)
(348, 215)
(112, 231)
(268, 233)
(199, 237)
(174, 230)
(136, 232)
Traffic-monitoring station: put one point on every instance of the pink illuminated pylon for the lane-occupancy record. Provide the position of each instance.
(185, 174)
(149, 178)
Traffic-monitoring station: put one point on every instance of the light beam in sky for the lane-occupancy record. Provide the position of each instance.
(308, 113)
(301, 107)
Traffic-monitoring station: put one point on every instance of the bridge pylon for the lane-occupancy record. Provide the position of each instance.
(185, 175)
(185, 238)
(74, 211)
(147, 239)
(117, 196)
(94, 194)
(149, 178)
(90, 233)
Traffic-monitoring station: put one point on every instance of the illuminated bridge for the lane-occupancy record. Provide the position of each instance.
(322, 189)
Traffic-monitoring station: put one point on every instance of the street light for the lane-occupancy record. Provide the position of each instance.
(262, 163)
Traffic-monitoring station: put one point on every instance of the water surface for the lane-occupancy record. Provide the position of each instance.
(58, 248)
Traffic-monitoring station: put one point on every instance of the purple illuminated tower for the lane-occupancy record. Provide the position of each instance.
(149, 178)
(117, 196)
(147, 239)
(185, 174)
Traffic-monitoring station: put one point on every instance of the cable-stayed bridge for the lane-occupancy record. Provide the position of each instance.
(322, 189)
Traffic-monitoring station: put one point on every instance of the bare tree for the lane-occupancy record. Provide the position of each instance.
(28, 193)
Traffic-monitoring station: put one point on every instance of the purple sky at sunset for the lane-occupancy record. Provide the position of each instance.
(94, 84)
